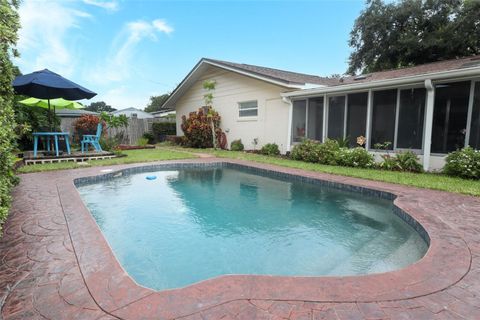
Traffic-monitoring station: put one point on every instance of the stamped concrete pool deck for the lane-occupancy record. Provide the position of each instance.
(56, 264)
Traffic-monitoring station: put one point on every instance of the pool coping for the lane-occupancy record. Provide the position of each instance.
(446, 262)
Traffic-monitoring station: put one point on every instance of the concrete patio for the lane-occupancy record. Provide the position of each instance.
(55, 264)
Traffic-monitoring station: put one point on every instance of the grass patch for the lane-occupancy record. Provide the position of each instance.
(434, 181)
(133, 156)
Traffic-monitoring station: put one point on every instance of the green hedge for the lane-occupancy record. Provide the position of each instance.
(270, 149)
(162, 129)
(8, 38)
(331, 153)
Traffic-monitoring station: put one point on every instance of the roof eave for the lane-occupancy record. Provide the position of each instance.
(457, 73)
(170, 103)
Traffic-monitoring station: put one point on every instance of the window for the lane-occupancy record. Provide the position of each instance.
(383, 117)
(475, 126)
(411, 118)
(248, 109)
(356, 116)
(450, 116)
(336, 117)
(299, 113)
(315, 119)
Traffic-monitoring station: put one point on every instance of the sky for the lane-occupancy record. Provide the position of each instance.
(127, 51)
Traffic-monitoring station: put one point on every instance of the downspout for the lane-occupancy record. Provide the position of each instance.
(427, 142)
(290, 116)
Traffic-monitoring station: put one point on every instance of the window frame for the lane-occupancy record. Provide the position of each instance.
(326, 122)
(247, 118)
(397, 119)
(307, 116)
(470, 103)
(370, 129)
(292, 137)
(369, 123)
(474, 83)
(345, 131)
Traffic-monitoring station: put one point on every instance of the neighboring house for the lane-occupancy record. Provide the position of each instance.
(68, 117)
(163, 113)
(133, 112)
(431, 109)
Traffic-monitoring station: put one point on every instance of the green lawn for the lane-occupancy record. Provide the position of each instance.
(133, 156)
(422, 180)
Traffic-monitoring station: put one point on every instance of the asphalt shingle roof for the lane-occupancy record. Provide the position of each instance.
(288, 77)
(439, 66)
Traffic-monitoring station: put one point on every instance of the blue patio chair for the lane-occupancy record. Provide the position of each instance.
(93, 139)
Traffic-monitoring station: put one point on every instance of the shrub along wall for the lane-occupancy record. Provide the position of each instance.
(331, 153)
(463, 163)
(8, 38)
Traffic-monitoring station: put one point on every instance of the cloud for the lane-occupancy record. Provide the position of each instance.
(43, 37)
(161, 25)
(119, 63)
(107, 5)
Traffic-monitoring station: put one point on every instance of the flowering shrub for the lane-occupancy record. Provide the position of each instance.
(197, 128)
(463, 163)
(329, 152)
(270, 149)
(86, 124)
(307, 150)
(356, 157)
(237, 145)
(314, 151)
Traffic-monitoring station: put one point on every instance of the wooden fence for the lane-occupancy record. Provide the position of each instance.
(134, 131)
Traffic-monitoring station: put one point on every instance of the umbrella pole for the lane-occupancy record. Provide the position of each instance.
(49, 116)
(52, 147)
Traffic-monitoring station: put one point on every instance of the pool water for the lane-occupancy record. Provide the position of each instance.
(189, 225)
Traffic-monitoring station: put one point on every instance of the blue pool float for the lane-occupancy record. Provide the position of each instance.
(151, 177)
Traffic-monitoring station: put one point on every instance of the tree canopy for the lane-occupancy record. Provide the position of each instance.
(156, 102)
(411, 32)
(99, 106)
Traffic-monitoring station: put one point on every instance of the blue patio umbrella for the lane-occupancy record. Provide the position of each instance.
(45, 84)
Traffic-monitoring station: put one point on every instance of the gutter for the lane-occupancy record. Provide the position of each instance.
(467, 72)
(288, 101)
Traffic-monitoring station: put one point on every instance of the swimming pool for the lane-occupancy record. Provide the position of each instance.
(192, 224)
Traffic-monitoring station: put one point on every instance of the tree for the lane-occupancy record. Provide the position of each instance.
(156, 102)
(411, 32)
(209, 86)
(8, 40)
(99, 106)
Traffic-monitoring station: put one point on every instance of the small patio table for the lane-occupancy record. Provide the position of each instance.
(48, 136)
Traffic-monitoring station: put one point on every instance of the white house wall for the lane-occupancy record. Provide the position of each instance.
(271, 125)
